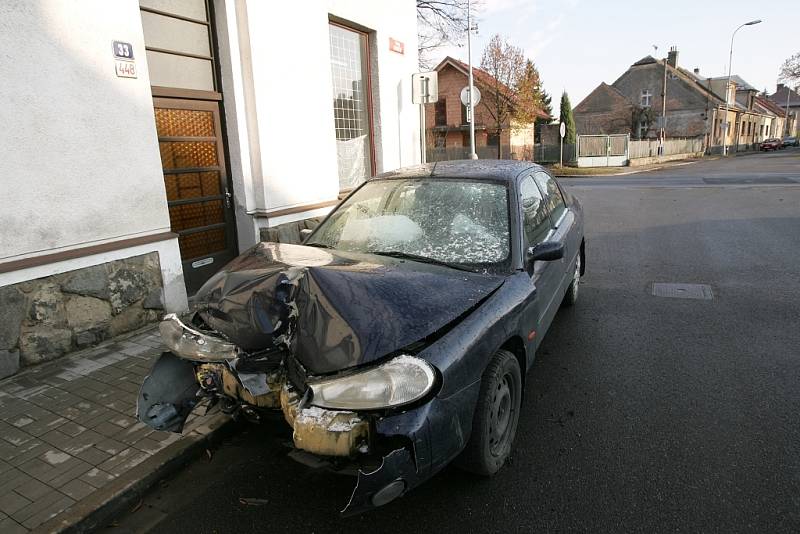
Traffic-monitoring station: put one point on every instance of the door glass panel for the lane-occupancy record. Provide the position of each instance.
(192, 185)
(534, 212)
(552, 194)
(202, 244)
(196, 214)
(184, 154)
(175, 34)
(184, 122)
(169, 70)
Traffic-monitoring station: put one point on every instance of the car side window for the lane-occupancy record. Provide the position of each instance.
(552, 195)
(535, 222)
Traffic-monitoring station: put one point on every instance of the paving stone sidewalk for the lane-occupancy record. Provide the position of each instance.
(68, 430)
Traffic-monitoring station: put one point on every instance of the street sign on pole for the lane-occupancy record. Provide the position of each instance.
(476, 98)
(424, 90)
(425, 87)
(563, 131)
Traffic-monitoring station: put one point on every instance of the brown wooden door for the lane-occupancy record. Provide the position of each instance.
(197, 184)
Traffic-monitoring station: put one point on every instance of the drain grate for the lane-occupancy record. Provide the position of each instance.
(683, 291)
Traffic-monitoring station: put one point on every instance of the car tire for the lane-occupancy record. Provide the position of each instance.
(571, 297)
(494, 424)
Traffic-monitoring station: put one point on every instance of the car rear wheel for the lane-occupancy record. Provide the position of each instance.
(496, 416)
(571, 297)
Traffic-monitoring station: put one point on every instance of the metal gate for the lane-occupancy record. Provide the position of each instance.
(602, 150)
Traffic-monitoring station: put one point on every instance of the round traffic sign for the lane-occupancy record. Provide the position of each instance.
(465, 96)
(562, 129)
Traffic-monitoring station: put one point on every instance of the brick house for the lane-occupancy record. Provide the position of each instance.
(446, 120)
(695, 106)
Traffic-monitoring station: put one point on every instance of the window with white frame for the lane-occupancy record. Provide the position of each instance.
(351, 105)
(647, 98)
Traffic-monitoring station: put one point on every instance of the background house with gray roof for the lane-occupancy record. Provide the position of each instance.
(788, 99)
(695, 106)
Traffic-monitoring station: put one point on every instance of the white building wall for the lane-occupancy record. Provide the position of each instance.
(275, 59)
(80, 156)
(80, 161)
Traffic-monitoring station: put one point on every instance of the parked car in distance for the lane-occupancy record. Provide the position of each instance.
(791, 141)
(771, 144)
(397, 337)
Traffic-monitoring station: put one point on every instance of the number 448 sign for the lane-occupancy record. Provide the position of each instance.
(124, 63)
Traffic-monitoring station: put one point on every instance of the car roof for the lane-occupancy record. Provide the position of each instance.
(502, 170)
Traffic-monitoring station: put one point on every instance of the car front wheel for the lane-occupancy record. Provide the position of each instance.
(496, 416)
(571, 296)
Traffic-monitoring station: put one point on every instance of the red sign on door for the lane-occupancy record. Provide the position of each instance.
(396, 46)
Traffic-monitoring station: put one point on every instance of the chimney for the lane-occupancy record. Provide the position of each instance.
(780, 86)
(672, 57)
(696, 71)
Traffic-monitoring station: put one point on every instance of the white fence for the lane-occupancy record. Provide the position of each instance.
(602, 150)
(648, 148)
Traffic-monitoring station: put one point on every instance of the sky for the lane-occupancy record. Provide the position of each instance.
(576, 44)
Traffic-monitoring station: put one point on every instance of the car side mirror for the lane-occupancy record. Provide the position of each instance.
(304, 233)
(546, 251)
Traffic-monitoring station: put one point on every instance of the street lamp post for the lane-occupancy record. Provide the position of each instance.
(728, 87)
(472, 153)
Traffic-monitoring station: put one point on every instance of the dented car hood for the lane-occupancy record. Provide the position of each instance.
(335, 309)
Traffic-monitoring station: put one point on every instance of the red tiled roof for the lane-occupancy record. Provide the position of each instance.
(481, 78)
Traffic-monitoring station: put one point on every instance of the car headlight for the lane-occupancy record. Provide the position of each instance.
(400, 381)
(190, 344)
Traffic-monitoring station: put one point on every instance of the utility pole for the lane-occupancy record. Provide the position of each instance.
(786, 120)
(728, 87)
(422, 141)
(472, 154)
(663, 110)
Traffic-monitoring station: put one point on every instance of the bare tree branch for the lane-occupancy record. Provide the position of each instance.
(790, 70)
(441, 23)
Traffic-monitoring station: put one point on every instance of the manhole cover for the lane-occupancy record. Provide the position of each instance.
(683, 291)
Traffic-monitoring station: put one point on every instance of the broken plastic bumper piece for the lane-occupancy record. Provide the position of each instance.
(176, 385)
(169, 394)
(191, 344)
(324, 432)
(395, 476)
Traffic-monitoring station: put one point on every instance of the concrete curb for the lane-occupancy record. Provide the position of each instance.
(677, 163)
(97, 509)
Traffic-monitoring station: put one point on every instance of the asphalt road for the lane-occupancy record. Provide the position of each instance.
(643, 413)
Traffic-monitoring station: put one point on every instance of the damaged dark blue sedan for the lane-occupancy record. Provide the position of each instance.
(397, 337)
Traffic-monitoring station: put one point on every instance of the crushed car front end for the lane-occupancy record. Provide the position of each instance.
(388, 443)
(281, 331)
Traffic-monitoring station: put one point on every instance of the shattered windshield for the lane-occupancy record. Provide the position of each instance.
(447, 220)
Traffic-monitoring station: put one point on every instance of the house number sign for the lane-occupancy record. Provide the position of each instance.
(124, 64)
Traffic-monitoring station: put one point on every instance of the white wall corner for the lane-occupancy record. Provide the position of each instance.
(169, 258)
(243, 146)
